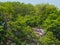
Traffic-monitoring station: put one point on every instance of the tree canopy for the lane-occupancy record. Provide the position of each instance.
(17, 21)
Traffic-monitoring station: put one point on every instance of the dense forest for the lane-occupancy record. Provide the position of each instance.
(17, 21)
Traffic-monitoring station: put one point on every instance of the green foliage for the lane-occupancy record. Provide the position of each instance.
(49, 39)
(18, 19)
